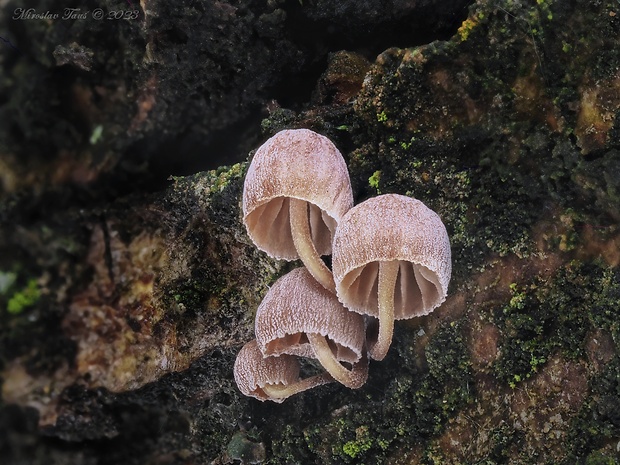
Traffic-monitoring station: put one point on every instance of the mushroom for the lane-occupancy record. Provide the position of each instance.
(296, 190)
(391, 260)
(300, 317)
(271, 378)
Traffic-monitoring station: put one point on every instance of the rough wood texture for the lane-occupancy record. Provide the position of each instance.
(125, 297)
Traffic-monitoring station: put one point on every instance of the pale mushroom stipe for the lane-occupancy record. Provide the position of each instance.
(391, 260)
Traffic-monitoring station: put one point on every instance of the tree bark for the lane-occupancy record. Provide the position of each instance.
(125, 293)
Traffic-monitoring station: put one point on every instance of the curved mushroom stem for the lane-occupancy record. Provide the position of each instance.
(300, 229)
(281, 391)
(354, 378)
(388, 272)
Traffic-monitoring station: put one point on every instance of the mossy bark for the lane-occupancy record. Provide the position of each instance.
(122, 349)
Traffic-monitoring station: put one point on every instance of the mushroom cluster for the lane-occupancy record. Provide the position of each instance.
(390, 259)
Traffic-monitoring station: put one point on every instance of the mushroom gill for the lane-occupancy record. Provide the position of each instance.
(300, 317)
(391, 260)
(296, 190)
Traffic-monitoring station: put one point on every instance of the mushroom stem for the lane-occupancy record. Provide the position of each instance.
(300, 229)
(354, 378)
(282, 391)
(388, 272)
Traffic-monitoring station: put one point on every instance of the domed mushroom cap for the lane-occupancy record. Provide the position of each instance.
(299, 164)
(297, 305)
(388, 228)
(254, 373)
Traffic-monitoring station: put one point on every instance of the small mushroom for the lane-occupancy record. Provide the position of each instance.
(300, 317)
(296, 190)
(271, 378)
(391, 260)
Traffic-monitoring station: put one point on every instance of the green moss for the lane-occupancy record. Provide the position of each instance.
(96, 135)
(220, 178)
(190, 295)
(279, 119)
(407, 145)
(598, 421)
(361, 444)
(290, 447)
(374, 180)
(348, 439)
(24, 298)
(466, 28)
(550, 315)
(605, 295)
(599, 458)
(450, 372)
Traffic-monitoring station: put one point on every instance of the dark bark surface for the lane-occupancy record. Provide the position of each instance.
(128, 283)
